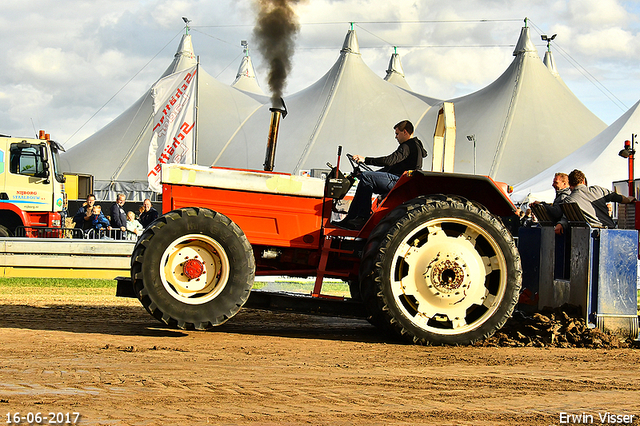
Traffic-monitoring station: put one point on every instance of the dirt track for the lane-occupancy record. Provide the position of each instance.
(107, 359)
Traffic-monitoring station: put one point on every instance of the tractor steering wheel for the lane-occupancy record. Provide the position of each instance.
(357, 166)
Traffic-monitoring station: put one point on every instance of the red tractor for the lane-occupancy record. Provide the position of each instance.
(433, 265)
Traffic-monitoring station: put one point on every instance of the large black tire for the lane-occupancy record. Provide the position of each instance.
(4, 232)
(193, 268)
(440, 270)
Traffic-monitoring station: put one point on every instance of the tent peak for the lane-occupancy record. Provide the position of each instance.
(350, 44)
(246, 75)
(550, 63)
(524, 45)
(394, 65)
(185, 48)
(395, 73)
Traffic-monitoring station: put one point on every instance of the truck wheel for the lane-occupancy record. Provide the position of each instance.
(442, 270)
(4, 232)
(193, 268)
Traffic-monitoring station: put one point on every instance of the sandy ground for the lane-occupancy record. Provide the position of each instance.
(108, 360)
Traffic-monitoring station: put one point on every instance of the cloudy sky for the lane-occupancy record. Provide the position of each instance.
(71, 66)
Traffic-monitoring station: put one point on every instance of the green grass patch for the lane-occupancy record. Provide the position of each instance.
(297, 286)
(56, 282)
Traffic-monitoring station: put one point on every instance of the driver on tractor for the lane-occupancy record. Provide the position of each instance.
(408, 156)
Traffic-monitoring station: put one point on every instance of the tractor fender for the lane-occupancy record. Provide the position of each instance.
(480, 189)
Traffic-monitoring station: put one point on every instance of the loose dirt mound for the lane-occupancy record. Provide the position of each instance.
(561, 328)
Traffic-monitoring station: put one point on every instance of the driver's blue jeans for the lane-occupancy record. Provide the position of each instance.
(370, 183)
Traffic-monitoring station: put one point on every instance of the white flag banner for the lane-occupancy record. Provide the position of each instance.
(173, 123)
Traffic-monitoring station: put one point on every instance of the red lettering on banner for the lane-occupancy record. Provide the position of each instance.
(155, 170)
(186, 128)
(188, 77)
(173, 101)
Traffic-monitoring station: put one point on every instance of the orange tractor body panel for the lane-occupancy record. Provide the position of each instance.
(266, 219)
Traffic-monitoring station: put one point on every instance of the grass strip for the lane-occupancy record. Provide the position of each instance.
(70, 286)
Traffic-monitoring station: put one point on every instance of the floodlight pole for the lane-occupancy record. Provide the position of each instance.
(472, 138)
(632, 151)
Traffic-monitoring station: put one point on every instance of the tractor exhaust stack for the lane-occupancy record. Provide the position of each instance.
(277, 112)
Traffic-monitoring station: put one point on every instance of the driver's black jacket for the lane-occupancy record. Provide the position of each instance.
(408, 156)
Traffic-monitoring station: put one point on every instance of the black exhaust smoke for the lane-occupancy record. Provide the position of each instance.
(275, 33)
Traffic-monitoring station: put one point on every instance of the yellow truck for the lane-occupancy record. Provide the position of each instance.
(31, 186)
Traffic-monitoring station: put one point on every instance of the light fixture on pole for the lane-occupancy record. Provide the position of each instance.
(548, 39)
(628, 152)
(472, 138)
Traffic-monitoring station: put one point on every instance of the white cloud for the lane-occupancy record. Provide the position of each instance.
(448, 73)
(609, 43)
(596, 13)
(63, 60)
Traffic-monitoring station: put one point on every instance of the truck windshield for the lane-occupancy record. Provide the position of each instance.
(26, 160)
(55, 160)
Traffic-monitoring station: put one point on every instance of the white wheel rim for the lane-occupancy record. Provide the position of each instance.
(443, 276)
(211, 278)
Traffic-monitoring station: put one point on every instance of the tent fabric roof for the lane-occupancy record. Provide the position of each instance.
(118, 152)
(550, 63)
(125, 136)
(598, 159)
(246, 77)
(349, 106)
(524, 121)
(395, 73)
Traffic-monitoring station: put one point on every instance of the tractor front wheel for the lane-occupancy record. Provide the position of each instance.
(193, 268)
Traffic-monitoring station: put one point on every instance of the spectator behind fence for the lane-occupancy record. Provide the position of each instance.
(149, 214)
(83, 218)
(100, 222)
(118, 216)
(592, 201)
(134, 228)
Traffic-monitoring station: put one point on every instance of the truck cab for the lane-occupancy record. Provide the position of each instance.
(31, 186)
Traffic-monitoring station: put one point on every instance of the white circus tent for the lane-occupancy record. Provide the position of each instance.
(117, 154)
(246, 80)
(349, 106)
(598, 159)
(523, 122)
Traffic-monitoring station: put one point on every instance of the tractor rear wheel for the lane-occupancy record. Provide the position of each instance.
(440, 270)
(4, 232)
(193, 268)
